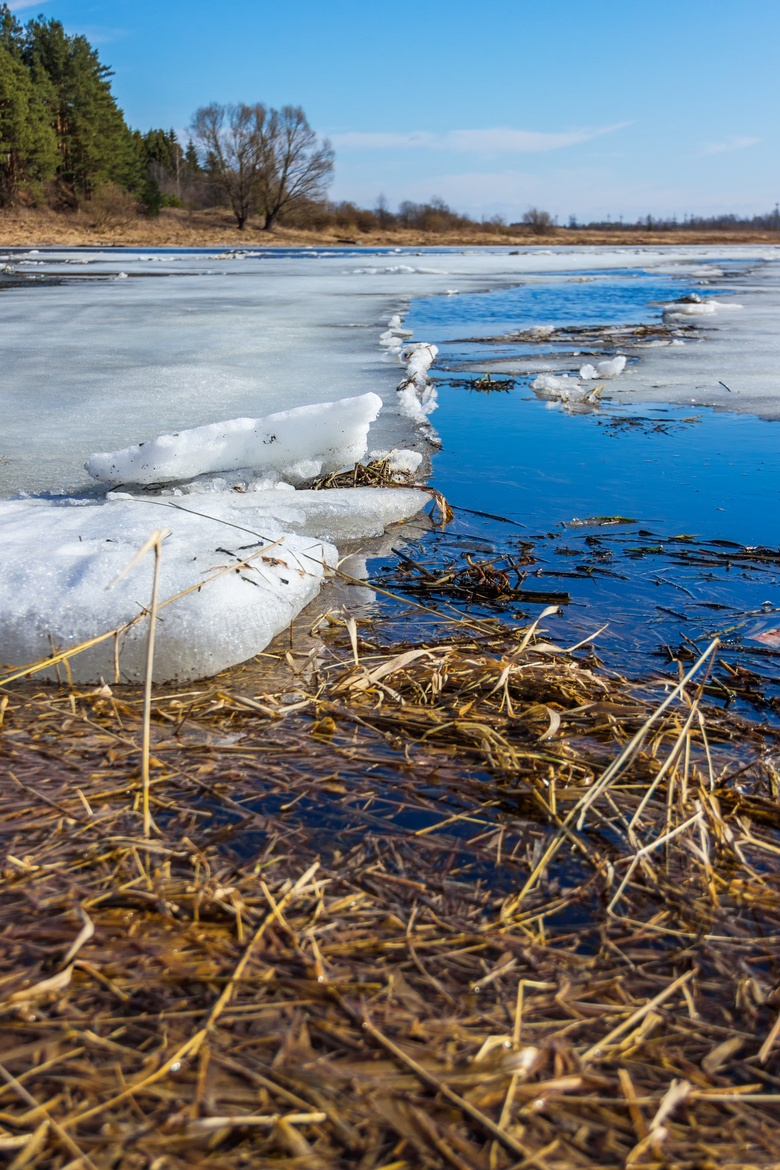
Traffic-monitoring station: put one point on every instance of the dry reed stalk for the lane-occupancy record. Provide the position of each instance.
(348, 845)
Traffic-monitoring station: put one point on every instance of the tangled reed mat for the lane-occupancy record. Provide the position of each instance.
(464, 901)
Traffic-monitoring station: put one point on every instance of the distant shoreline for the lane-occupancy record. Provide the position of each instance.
(26, 227)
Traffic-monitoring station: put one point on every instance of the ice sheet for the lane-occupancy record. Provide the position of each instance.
(295, 445)
(254, 561)
(732, 361)
(191, 338)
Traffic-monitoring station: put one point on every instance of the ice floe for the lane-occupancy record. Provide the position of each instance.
(237, 566)
(606, 369)
(294, 445)
(569, 392)
(192, 339)
(243, 566)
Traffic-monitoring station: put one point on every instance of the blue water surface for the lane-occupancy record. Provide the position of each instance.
(673, 471)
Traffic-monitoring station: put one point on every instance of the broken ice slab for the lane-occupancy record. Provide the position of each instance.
(247, 574)
(606, 369)
(294, 445)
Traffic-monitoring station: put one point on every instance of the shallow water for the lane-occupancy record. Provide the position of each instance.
(673, 470)
(93, 362)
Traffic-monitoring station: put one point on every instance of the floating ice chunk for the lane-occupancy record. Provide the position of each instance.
(692, 309)
(568, 391)
(249, 574)
(558, 386)
(295, 444)
(605, 369)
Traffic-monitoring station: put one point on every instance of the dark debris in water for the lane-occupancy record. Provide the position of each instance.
(685, 587)
(499, 580)
(486, 384)
(598, 521)
(620, 424)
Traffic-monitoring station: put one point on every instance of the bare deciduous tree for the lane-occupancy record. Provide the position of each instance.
(263, 160)
(540, 222)
(231, 139)
(295, 167)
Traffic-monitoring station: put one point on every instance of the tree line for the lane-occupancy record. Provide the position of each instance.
(63, 139)
(64, 142)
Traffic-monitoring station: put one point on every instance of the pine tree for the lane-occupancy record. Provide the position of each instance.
(28, 148)
(11, 32)
(95, 145)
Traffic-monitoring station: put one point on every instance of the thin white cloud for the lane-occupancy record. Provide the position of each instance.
(492, 141)
(354, 140)
(98, 34)
(732, 144)
(18, 5)
(507, 141)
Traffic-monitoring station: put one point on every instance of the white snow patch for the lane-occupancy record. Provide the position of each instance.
(62, 557)
(296, 445)
(605, 369)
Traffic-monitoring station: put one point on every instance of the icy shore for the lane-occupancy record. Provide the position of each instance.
(192, 338)
(301, 357)
(250, 563)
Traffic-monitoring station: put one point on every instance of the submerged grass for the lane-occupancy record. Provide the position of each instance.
(444, 893)
(441, 893)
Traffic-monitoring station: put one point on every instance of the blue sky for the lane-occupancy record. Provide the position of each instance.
(584, 107)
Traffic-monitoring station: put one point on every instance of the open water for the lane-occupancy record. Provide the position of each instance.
(700, 557)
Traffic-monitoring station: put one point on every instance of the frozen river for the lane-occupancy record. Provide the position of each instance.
(103, 349)
(106, 349)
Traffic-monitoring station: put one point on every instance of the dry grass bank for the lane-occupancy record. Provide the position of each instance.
(174, 228)
(459, 901)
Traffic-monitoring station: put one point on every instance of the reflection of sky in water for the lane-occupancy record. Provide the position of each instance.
(513, 454)
(606, 300)
(716, 478)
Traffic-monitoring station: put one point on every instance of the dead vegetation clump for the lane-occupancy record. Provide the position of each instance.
(463, 900)
(374, 473)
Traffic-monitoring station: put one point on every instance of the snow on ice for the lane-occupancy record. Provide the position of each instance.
(294, 445)
(251, 562)
(606, 369)
(96, 361)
